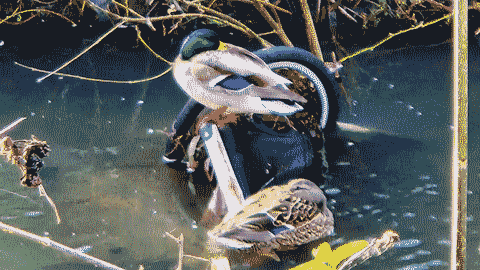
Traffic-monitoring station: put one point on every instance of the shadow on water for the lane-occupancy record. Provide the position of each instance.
(116, 199)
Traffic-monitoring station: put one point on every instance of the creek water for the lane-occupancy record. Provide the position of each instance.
(116, 199)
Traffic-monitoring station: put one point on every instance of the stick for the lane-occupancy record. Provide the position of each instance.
(50, 243)
(276, 26)
(11, 126)
(39, 80)
(97, 80)
(311, 32)
(42, 191)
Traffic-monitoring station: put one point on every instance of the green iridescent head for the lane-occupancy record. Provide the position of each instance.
(199, 41)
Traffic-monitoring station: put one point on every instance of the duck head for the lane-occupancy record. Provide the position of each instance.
(199, 41)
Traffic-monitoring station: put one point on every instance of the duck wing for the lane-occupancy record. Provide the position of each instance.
(238, 61)
(235, 85)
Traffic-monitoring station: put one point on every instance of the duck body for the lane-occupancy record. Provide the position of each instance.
(218, 74)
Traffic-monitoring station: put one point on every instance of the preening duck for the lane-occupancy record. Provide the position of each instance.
(218, 75)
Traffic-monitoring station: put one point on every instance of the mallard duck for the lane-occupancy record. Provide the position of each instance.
(218, 74)
(275, 218)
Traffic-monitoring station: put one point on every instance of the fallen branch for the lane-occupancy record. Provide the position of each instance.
(50, 243)
(42, 191)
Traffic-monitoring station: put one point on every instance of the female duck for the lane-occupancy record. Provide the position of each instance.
(222, 75)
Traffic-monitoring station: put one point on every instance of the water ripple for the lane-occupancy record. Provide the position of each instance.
(408, 243)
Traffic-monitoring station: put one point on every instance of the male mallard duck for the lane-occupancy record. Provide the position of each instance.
(218, 74)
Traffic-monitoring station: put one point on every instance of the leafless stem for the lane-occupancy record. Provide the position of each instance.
(82, 52)
(227, 19)
(352, 11)
(317, 14)
(311, 32)
(179, 241)
(268, 5)
(268, 33)
(436, 4)
(97, 80)
(43, 192)
(148, 22)
(277, 27)
(346, 14)
(50, 243)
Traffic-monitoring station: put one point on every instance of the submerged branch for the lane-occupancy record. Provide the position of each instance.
(42, 191)
(65, 249)
(179, 242)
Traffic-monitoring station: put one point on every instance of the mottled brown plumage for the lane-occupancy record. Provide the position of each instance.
(278, 217)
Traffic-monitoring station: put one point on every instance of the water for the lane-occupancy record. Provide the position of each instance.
(115, 196)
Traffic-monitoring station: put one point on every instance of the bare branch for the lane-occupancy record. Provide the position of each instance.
(268, 5)
(277, 27)
(43, 192)
(50, 243)
(82, 52)
(311, 32)
(97, 80)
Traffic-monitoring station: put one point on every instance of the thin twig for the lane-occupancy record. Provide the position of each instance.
(82, 52)
(15, 13)
(45, 3)
(148, 47)
(11, 126)
(311, 32)
(180, 251)
(352, 11)
(180, 248)
(229, 20)
(346, 14)
(8, 17)
(317, 14)
(268, 5)
(437, 4)
(421, 25)
(20, 22)
(149, 23)
(268, 33)
(42, 191)
(65, 249)
(97, 80)
(277, 27)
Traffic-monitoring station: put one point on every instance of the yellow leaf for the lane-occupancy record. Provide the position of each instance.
(326, 259)
(345, 251)
(324, 250)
